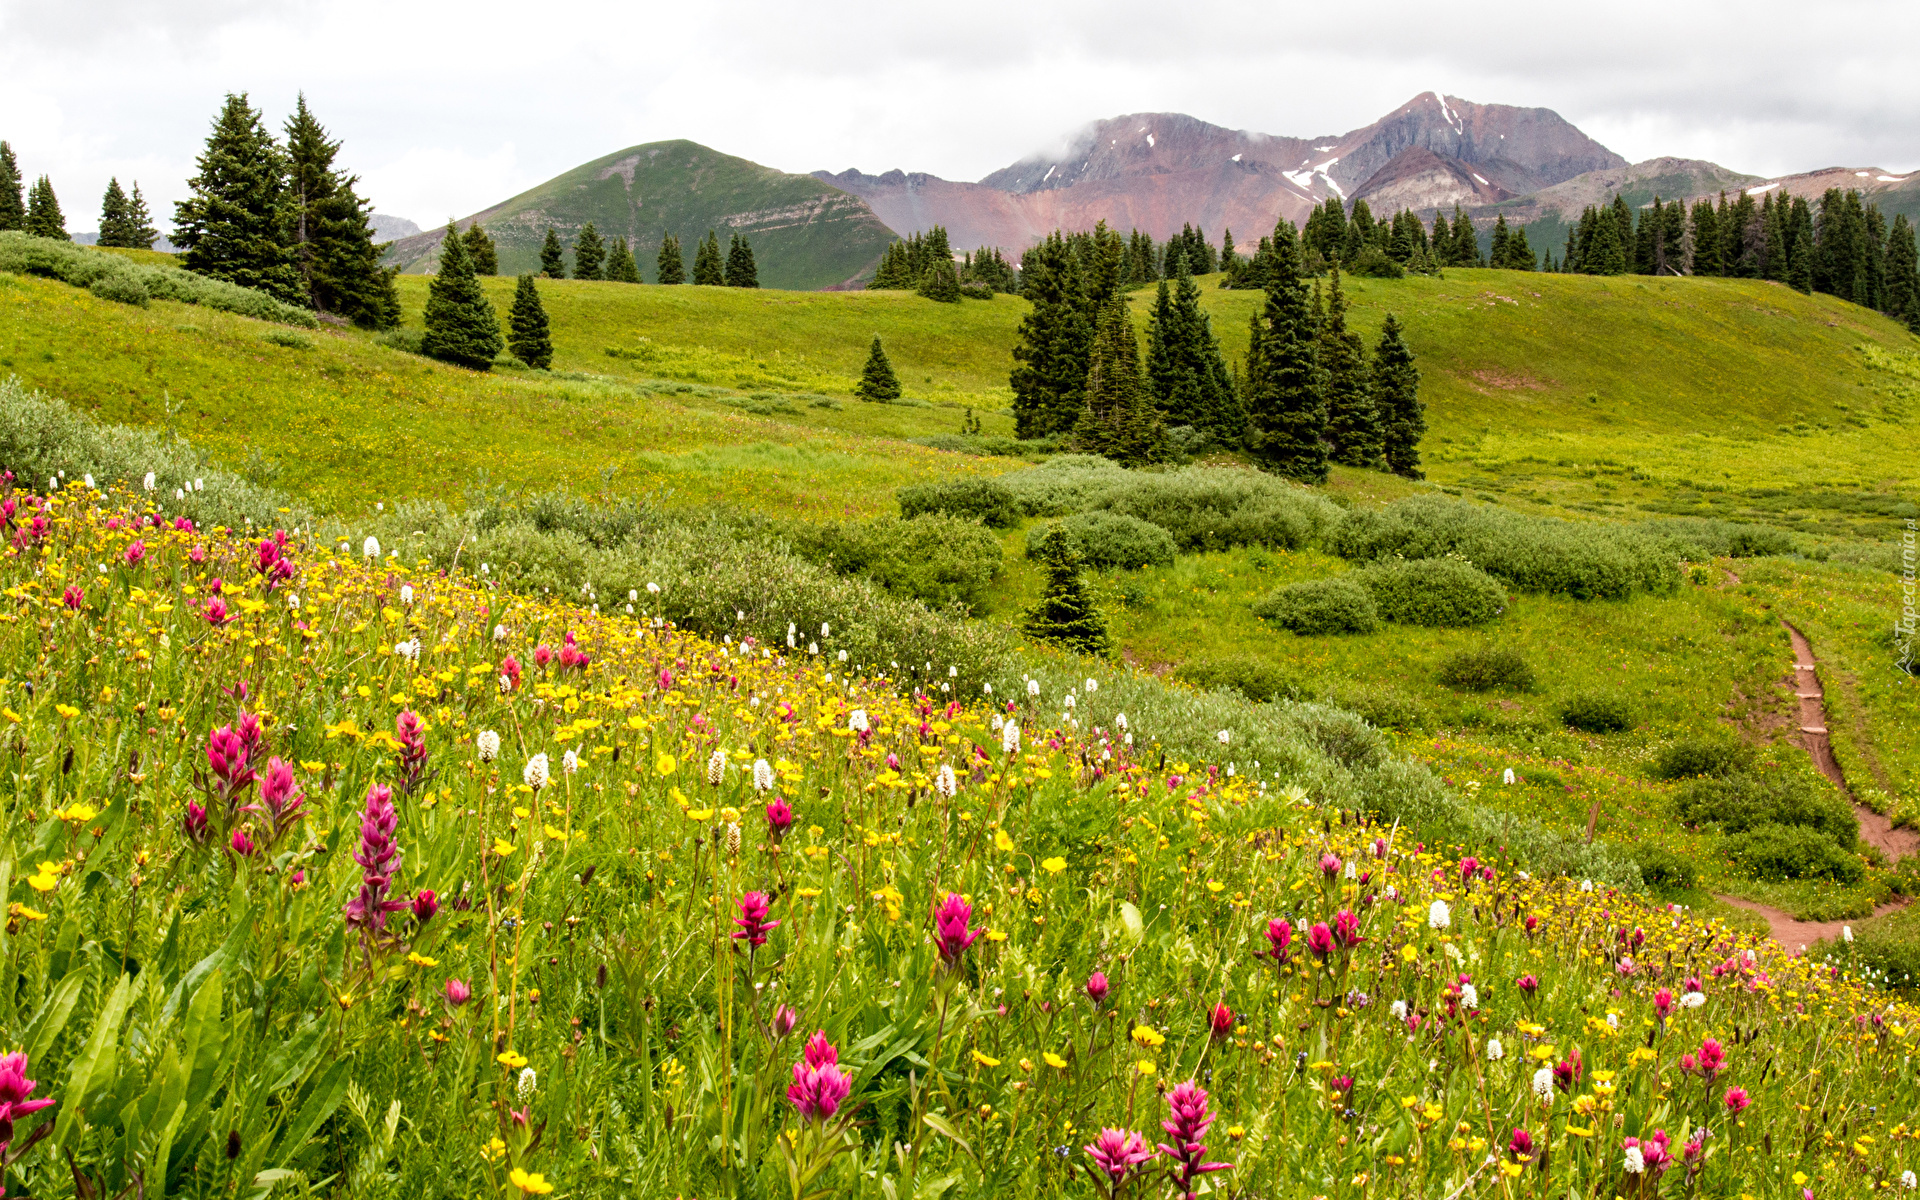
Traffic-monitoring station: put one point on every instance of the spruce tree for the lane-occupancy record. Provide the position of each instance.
(113, 216)
(333, 238)
(708, 267)
(529, 338)
(553, 256)
(742, 273)
(1353, 425)
(1800, 267)
(1230, 261)
(237, 223)
(1285, 395)
(1066, 614)
(620, 265)
(588, 253)
(480, 248)
(141, 234)
(1179, 404)
(940, 282)
(877, 383)
(671, 268)
(1053, 343)
(1497, 252)
(44, 218)
(1903, 274)
(1117, 419)
(1466, 243)
(895, 272)
(13, 204)
(1396, 391)
(461, 325)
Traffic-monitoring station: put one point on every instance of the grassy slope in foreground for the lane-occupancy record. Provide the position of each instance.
(591, 920)
(805, 233)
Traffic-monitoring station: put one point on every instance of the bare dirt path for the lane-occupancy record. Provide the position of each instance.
(1876, 830)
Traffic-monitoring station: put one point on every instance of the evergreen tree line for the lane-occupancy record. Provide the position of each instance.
(1334, 233)
(283, 219)
(461, 325)
(1308, 392)
(124, 219)
(924, 263)
(598, 258)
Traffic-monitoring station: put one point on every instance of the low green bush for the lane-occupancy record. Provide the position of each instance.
(1320, 606)
(1066, 483)
(1739, 802)
(121, 289)
(1214, 508)
(1443, 593)
(1109, 541)
(1665, 872)
(1487, 669)
(984, 500)
(1384, 708)
(1374, 263)
(1258, 679)
(1596, 712)
(1698, 539)
(932, 558)
(117, 278)
(1776, 853)
(1688, 757)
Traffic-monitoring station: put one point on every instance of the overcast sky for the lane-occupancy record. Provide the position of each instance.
(447, 109)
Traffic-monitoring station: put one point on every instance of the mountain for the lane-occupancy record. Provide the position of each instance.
(805, 234)
(1548, 214)
(389, 228)
(1159, 171)
(1892, 193)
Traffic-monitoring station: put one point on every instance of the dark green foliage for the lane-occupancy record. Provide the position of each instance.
(529, 338)
(13, 204)
(1665, 872)
(114, 230)
(1702, 756)
(480, 248)
(670, 268)
(1108, 541)
(1373, 263)
(934, 558)
(1259, 679)
(1204, 508)
(553, 256)
(984, 500)
(1510, 250)
(709, 267)
(237, 224)
(941, 282)
(1699, 539)
(1903, 274)
(1597, 712)
(1776, 853)
(122, 289)
(1320, 606)
(741, 271)
(461, 325)
(1532, 554)
(620, 265)
(988, 267)
(92, 270)
(1737, 802)
(877, 380)
(333, 238)
(1441, 593)
(1487, 669)
(1396, 397)
(1118, 419)
(1065, 614)
(1055, 342)
(589, 252)
(1190, 243)
(1186, 371)
(44, 218)
(1353, 423)
(1285, 390)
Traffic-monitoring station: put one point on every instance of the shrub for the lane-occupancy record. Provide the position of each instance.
(1384, 708)
(1533, 554)
(933, 558)
(1776, 853)
(1666, 872)
(984, 500)
(1739, 802)
(1435, 592)
(1320, 606)
(1258, 679)
(1376, 264)
(85, 267)
(121, 289)
(1701, 756)
(1066, 483)
(1109, 541)
(1214, 508)
(1700, 538)
(1596, 712)
(1487, 669)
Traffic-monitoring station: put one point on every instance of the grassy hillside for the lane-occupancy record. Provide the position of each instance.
(805, 234)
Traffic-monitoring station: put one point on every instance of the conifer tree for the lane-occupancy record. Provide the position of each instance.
(237, 223)
(877, 383)
(709, 267)
(461, 325)
(529, 338)
(13, 204)
(1285, 398)
(113, 216)
(589, 252)
(1053, 343)
(1396, 390)
(140, 231)
(940, 282)
(670, 267)
(553, 256)
(333, 238)
(1066, 614)
(1706, 239)
(1519, 253)
(620, 265)
(742, 273)
(1903, 274)
(1230, 261)
(1117, 418)
(480, 248)
(895, 272)
(44, 218)
(1497, 252)
(1466, 243)
(1359, 232)
(1353, 425)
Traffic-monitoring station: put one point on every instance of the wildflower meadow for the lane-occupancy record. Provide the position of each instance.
(330, 874)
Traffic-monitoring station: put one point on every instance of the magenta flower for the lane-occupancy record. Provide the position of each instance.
(457, 992)
(377, 855)
(216, 611)
(425, 904)
(779, 819)
(195, 824)
(1220, 1021)
(1528, 985)
(784, 1019)
(1190, 1118)
(1116, 1152)
(753, 923)
(280, 799)
(241, 843)
(229, 762)
(1330, 865)
(1663, 1003)
(1346, 930)
(1520, 1145)
(1713, 1059)
(412, 734)
(1566, 1074)
(1469, 867)
(951, 932)
(134, 554)
(1279, 940)
(15, 1092)
(1096, 988)
(542, 655)
(1320, 940)
(819, 1084)
(1737, 1100)
(74, 597)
